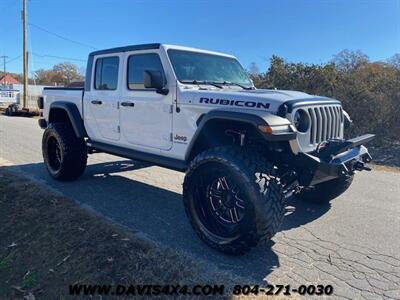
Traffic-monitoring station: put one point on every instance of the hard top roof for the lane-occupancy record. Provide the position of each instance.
(153, 46)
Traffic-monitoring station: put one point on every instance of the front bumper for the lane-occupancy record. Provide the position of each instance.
(335, 159)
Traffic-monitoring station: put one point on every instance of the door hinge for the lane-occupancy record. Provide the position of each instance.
(171, 109)
(171, 137)
(118, 129)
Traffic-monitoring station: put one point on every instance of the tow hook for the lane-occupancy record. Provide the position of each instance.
(290, 183)
(361, 166)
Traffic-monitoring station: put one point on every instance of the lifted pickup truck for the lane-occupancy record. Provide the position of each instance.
(244, 150)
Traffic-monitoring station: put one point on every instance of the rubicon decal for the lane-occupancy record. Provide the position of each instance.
(238, 103)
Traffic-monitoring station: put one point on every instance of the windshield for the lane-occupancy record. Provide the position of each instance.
(195, 67)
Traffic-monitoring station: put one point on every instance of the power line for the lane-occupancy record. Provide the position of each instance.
(58, 57)
(15, 58)
(47, 55)
(62, 37)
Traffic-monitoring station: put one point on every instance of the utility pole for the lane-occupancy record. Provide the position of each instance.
(25, 55)
(4, 63)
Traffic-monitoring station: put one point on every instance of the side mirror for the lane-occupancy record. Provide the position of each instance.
(155, 80)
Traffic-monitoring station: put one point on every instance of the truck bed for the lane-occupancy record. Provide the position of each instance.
(69, 94)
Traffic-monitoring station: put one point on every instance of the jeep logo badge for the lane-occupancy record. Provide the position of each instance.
(180, 138)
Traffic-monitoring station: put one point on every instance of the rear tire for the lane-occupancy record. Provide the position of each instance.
(326, 191)
(65, 155)
(233, 198)
(11, 110)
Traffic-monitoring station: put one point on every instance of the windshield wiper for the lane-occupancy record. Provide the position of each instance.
(202, 82)
(237, 84)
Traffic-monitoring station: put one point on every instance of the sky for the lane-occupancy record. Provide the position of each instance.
(309, 31)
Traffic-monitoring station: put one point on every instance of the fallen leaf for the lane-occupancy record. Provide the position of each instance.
(30, 296)
(12, 245)
(64, 260)
(26, 274)
(329, 259)
(18, 288)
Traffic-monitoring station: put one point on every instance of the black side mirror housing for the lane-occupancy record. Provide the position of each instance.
(155, 80)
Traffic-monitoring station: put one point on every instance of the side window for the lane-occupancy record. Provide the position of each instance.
(106, 73)
(139, 63)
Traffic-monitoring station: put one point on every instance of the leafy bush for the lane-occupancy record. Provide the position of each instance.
(369, 91)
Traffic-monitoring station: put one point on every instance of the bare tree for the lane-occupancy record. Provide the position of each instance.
(349, 60)
(67, 72)
(60, 74)
(253, 69)
(395, 61)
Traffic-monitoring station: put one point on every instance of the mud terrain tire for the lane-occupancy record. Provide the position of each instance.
(65, 155)
(249, 177)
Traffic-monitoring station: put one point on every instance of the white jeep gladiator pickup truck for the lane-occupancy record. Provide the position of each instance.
(244, 149)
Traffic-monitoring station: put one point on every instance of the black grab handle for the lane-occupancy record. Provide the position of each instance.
(131, 104)
(98, 102)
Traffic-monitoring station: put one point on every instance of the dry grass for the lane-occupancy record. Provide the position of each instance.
(386, 155)
(48, 242)
(385, 168)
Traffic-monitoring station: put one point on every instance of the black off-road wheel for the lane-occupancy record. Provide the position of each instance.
(65, 155)
(233, 198)
(325, 191)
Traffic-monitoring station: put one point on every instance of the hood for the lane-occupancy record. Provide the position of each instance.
(266, 100)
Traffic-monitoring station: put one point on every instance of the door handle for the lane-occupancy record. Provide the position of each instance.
(98, 102)
(131, 104)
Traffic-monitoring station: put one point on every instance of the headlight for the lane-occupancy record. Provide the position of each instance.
(301, 120)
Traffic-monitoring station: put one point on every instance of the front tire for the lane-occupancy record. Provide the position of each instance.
(233, 198)
(64, 155)
(326, 191)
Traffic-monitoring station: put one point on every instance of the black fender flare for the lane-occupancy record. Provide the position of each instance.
(73, 114)
(252, 119)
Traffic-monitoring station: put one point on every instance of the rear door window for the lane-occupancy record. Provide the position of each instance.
(106, 73)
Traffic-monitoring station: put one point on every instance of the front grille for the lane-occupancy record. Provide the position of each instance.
(326, 123)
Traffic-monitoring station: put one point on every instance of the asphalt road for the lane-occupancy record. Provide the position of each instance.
(352, 243)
